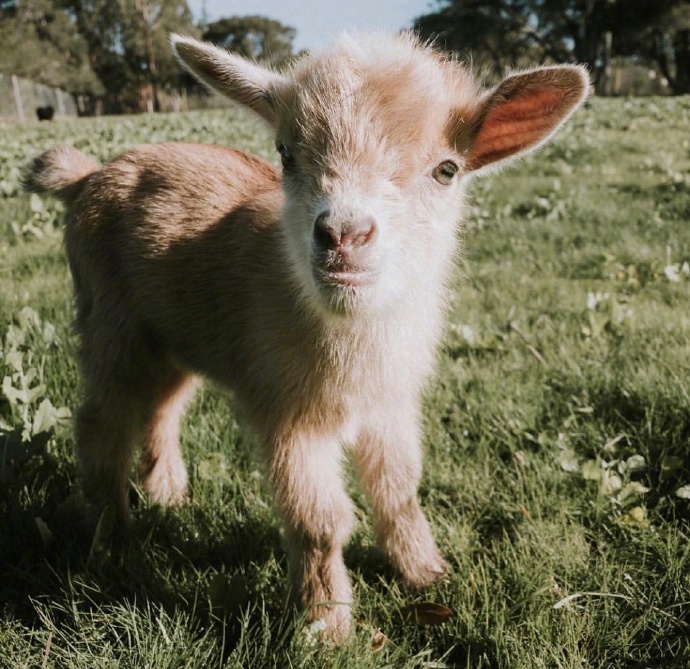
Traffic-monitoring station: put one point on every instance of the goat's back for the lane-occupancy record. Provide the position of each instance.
(180, 244)
(179, 258)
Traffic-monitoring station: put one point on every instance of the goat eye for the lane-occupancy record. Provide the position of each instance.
(445, 172)
(286, 157)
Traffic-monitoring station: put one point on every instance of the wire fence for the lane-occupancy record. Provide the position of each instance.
(25, 100)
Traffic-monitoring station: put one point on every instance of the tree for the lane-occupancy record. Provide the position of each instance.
(116, 53)
(510, 32)
(99, 24)
(146, 25)
(673, 37)
(253, 36)
(38, 41)
(128, 47)
(496, 34)
(659, 30)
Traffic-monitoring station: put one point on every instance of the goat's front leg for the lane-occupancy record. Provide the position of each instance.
(306, 475)
(389, 460)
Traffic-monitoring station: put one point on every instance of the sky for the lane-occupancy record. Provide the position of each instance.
(318, 21)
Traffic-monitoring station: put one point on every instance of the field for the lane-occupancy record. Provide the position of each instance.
(557, 471)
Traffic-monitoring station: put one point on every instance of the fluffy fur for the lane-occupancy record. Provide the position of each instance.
(318, 297)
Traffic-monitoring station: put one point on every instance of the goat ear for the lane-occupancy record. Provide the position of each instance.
(245, 82)
(523, 112)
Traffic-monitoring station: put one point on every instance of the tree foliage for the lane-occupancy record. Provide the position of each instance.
(116, 52)
(128, 46)
(496, 33)
(39, 41)
(660, 31)
(508, 33)
(255, 37)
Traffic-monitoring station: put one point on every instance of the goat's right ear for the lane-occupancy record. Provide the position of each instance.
(523, 112)
(245, 82)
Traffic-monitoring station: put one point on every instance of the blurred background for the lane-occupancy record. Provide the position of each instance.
(92, 57)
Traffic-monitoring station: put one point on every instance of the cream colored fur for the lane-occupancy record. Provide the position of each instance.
(198, 261)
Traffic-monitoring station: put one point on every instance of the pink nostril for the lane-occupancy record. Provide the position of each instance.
(360, 233)
(329, 235)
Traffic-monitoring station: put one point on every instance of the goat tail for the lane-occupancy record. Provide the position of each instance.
(61, 171)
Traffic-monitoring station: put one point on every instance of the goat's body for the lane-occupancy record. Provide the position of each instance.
(209, 291)
(190, 277)
(176, 280)
(318, 297)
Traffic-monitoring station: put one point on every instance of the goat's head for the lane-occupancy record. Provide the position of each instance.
(377, 139)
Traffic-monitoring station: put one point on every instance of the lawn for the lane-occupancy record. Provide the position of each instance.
(557, 437)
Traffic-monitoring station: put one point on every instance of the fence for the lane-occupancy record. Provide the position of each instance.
(181, 100)
(20, 98)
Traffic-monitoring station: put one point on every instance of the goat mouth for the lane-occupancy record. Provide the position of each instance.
(345, 278)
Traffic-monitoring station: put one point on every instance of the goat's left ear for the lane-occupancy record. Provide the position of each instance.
(246, 82)
(523, 112)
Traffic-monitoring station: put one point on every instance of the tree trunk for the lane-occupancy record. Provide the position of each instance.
(661, 58)
(153, 103)
(681, 47)
(604, 84)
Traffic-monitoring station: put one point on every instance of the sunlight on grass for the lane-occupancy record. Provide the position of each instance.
(557, 473)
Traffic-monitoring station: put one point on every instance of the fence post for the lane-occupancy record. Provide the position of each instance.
(17, 97)
(60, 102)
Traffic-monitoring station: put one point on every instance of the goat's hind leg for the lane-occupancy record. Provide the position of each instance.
(162, 472)
(108, 426)
(106, 429)
(132, 390)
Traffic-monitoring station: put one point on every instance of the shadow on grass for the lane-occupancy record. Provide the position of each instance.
(166, 563)
(200, 561)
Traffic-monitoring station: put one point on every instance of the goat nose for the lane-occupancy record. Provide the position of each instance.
(359, 233)
(326, 234)
(353, 234)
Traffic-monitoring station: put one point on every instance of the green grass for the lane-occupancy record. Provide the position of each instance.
(557, 436)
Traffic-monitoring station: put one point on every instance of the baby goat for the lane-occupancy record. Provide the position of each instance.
(316, 296)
